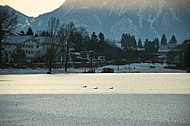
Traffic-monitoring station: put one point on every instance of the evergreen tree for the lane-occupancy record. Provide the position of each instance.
(77, 38)
(133, 41)
(101, 37)
(123, 40)
(29, 32)
(140, 44)
(128, 41)
(101, 43)
(93, 41)
(156, 44)
(94, 37)
(173, 40)
(146, 45)
(151, 46)
(163, 40)
(22, 32)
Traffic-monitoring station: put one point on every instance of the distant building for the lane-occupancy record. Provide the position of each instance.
(168, 53)
(34, 49)
(30, 45)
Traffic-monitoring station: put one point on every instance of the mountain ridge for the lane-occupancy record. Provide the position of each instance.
(142, 18)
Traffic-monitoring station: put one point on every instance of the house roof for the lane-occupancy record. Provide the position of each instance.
(16, 39)
(166, 48)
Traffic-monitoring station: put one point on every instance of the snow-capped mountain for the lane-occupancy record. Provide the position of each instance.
(143, 18)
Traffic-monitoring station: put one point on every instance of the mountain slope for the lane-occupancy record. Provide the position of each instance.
(143, 18)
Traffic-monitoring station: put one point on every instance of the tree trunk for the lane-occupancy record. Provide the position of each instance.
(50, 66)
(66, 59)
(50, 62)
(1, 56)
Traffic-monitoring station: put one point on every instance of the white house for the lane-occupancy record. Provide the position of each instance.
(30, 45)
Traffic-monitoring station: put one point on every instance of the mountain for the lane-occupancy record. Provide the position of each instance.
(142, 18)
(23, 20)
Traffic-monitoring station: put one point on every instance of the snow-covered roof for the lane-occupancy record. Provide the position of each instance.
(166, 48)
(163, 49)
(16, 39)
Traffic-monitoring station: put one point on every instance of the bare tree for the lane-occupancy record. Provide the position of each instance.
(52, 42)
(65, 33)
(18, 55)
(8, 21)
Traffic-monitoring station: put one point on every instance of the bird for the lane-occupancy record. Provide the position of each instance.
(84, 86)
(111, 87)
(95, 87)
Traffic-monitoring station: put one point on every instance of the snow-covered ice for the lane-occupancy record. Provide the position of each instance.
(94, 110)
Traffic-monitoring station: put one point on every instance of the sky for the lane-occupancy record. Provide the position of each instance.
(33, 7)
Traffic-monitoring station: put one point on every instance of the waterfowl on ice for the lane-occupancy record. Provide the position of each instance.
(95, 87)
(111, 88)
(84, 86)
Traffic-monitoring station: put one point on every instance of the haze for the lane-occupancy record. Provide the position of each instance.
(33, 7)
(36, 7)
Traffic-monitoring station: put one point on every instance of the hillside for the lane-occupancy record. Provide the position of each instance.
(143, 18)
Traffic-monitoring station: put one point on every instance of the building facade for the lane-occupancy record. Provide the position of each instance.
(30, 46)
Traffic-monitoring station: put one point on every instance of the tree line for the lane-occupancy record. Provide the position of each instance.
(68, 35)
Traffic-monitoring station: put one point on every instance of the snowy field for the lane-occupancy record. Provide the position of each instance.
(134, 68)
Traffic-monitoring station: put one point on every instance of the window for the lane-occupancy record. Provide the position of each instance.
(7, 60)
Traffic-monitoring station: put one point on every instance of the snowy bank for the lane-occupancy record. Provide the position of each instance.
(128, 68)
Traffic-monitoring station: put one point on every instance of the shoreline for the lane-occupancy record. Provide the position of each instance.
(134, 68)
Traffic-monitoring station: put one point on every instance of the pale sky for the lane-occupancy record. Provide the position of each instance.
(33, 7)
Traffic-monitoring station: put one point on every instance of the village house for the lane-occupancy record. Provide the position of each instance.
(29, 45)
(34, 48)
(168, 53)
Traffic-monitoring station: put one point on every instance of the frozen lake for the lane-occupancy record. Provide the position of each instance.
(71, 100)
(95, 110)
(122, 83)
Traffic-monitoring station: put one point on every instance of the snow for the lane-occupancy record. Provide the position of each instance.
(141, 68)
(16, 39)
(94, 110)
(134, 68)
